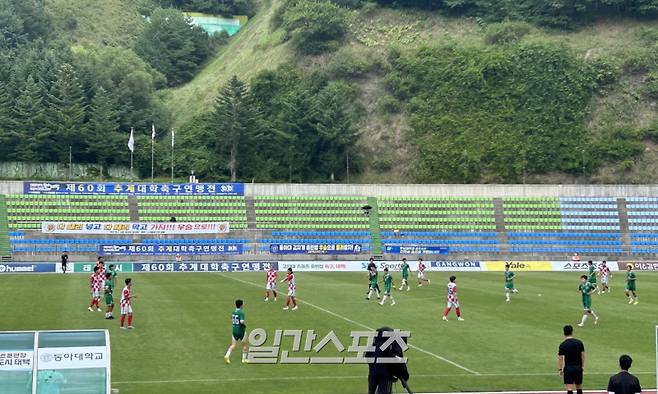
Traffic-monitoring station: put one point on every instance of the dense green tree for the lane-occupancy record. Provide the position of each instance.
(103, 129)
(235, 121)
(66, 117)
(173, 46)
(29, 123)
(315, 25)
(7, 134)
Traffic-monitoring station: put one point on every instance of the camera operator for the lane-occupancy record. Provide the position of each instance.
(381, 376)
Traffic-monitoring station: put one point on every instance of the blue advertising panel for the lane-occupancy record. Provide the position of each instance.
(18, 268)
(416, 249)
(205, 267)
(166, 189)
(315, 248)
(168, 249)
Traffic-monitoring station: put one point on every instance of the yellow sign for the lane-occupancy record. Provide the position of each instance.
(518, 265)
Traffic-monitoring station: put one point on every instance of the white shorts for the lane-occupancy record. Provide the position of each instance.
(95, 294)
(291, 292)
(270, 286)
(126, 309)
(604, 279)
(421, 275)
(452, 304)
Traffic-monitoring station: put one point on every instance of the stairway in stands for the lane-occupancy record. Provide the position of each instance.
(4, 229)
(374, 227)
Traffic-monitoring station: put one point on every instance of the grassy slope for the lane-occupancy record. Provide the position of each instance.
(183, 329)
(253, 49)
(106, 22)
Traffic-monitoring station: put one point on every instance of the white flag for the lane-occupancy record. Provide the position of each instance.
(172, 137)
(152, 131)
(131, 141)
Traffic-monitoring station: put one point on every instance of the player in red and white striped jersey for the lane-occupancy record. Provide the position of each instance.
(270, 283)
(604, 272)
(290, 278)
(453, 301)
(95, 283)
(126, 306)
(101, 266)
(421, 273)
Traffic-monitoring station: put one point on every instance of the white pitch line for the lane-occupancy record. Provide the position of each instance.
(332, 377)
(367, 328)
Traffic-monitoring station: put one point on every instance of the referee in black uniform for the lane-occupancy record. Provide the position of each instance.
(571, 361)
(624, 382)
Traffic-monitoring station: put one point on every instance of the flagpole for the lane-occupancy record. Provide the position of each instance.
(131, 146)
(152, 154)
(172, 155)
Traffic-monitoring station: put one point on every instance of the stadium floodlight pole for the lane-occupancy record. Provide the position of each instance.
(70, 160)
(152, 150)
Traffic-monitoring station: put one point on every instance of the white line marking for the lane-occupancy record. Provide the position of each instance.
(332, 377)
(366, 327)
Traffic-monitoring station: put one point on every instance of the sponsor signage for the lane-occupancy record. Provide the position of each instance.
(518, 265)
(16, 360)
(580, 265)
(20, 268)
(72, 357)
(203, 267)
(456, 265)
(639, 266)
(416, 249)
(315, 248)
(169, 249)
(89, 267)
(164, 228)
(168, 189)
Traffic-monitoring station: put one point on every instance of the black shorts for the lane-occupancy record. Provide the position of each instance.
(573, 375)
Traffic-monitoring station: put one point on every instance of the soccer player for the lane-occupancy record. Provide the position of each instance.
(388, 283)
(405, 274)
(509, 283)
(126, 307)
(373, 275)
(239, 329)
(371, 266)
(630, 285)
(587, 288)
(290, 278)
(604, 272)
(270, 284)
(112, 270)
(452, 300)
(95, 281)
(421, 273)
(109, 302)
(591, 268)
(65, 261)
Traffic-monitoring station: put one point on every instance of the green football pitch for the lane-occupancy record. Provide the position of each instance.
(183, 329)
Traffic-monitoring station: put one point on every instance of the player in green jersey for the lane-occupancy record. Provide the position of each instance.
(586, 288)
(239, 332)
(108, 288)
(630, 285)
(388, 284)
(113, 270)
(591, 269)
(405, 275)
(509, 283)
(372, 275)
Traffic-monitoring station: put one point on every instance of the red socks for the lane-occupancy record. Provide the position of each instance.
(459, 312)
(445, 312)
(130, 320)
(288, 301)
(123, 318)
(267, 294)
(294, 302)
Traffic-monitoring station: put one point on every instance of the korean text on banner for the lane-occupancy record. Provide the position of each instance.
(580, 265)
(639, 266)
(518, 265)
(134, 228)
(169, 249)
(72, 357)
(154, 189)
(16, 360)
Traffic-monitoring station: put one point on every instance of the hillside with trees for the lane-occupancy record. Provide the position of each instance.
(458, 91)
